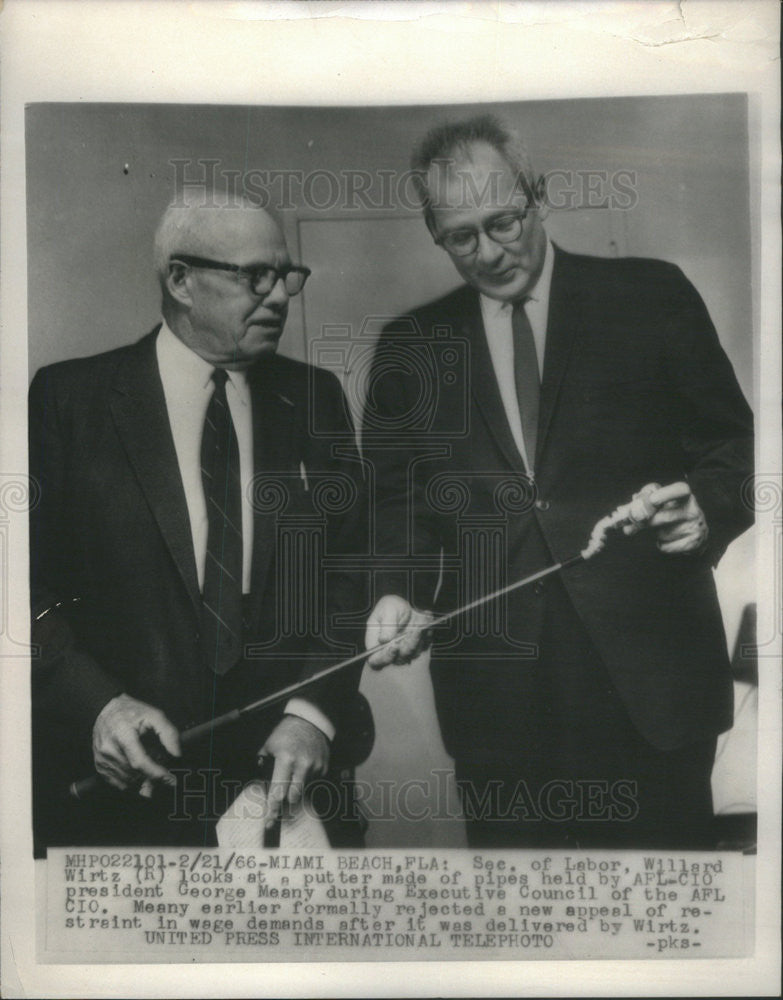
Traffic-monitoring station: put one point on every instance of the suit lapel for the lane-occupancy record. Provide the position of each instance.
(484, 384)
(275, 418)
(139, 411)
(562, 324)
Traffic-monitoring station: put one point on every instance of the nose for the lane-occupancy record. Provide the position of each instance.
(278, 296)
(488, 252)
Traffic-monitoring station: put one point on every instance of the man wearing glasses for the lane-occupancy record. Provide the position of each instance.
(582, 710)
(159, 592)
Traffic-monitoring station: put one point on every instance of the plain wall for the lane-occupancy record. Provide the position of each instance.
(99, 176)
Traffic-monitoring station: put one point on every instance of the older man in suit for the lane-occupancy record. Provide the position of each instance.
(584, 709)
(161, 592)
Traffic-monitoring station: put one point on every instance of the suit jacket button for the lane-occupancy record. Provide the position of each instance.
(542, 505)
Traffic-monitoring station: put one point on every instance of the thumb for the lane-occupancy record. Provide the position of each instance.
(674, 492)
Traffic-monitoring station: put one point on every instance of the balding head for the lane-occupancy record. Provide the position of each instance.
(201, 227)
(449, 146)
(215, 311)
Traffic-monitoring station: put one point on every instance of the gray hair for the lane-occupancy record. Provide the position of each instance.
(184, 226)
(453, 140)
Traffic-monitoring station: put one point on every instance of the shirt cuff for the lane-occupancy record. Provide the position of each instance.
(307, 710)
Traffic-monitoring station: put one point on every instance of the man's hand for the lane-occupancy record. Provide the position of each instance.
(393, 618)
(120, 757)
(301, 752)
(679, 521)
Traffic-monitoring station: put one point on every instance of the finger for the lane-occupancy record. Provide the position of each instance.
(667, 537)
(675, 515)
(110, 759)
(379, 636)
(678, 492)
(386, 647)
(116, 782)
(676, 527)
(298, 777)
(167, 733)
(117, 774)
(684, 526)
(145, 789)
(409, 644)
(680, 545)
(113, 778)
(107, 757)
(278, 788)
(691, 533)
(140, 761)
(383, 657)
(389, 630)
(397, 611)
(419, 633)
(113, 772)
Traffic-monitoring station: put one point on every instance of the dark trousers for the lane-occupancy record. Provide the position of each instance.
(209, 777)
(186, 816)
(579, 773)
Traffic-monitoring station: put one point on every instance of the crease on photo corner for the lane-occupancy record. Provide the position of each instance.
(653, 26)
(692, 23)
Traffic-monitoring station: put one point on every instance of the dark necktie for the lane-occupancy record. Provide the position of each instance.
(222, 595)
(526, 378)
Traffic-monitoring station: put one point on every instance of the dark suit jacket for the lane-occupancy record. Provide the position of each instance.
(112, 530)
(636, 388)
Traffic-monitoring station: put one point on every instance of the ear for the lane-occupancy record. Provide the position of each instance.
(177, 283)
(540, 196)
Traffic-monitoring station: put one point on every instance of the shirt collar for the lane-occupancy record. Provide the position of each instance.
(180, 365)
(539, 293)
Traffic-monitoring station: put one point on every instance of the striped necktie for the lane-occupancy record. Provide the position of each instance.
(526, 379)
(222, 595)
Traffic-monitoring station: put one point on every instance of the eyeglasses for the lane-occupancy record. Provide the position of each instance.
(262, 278)
(501, 229)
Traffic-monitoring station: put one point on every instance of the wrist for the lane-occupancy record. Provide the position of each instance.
(300, 708)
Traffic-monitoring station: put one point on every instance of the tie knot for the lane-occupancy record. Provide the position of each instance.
(220, 377)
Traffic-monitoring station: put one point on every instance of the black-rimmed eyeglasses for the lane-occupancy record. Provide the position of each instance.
(262, 278)
(503, 228)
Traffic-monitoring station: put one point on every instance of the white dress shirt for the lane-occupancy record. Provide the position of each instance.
(496, 316)
(187, 388)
